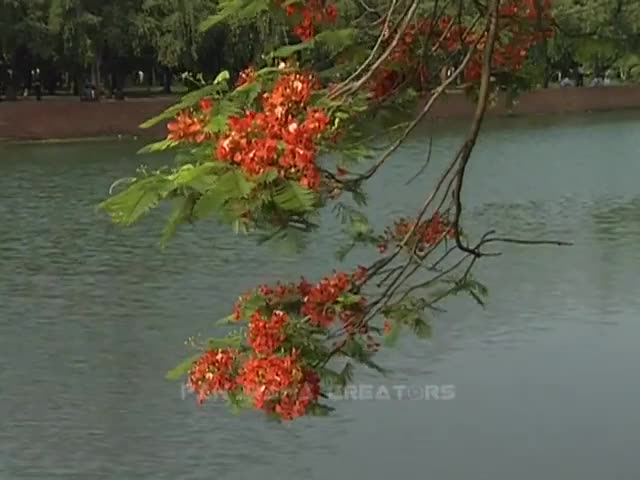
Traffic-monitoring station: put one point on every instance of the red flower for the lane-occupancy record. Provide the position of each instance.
(206, 104)
(186, 128)
(360, 274)
(313, 13)
(265, 378)
(426, 234)
(318, 304)
(283, 137)
(331, 13)
(213, 372)
(295, 404)
(267, 335)
(387, 327)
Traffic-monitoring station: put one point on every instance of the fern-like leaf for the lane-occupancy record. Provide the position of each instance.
(287, 51)
(157, 147)
(233, 184)
(128, 206)
(181, 213)
(294, 197)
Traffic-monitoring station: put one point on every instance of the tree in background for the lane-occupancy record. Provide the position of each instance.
(24, 37)
(108, 42)
(601, 34)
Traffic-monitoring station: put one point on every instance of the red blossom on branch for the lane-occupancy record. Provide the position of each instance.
(213, 373)
(311, 14)
(425, 234)
(266, 335)
(282, 137)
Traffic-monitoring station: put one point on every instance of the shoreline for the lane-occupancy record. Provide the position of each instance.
(64, 120)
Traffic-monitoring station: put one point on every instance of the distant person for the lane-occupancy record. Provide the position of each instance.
(580, 76)
(37, 83)
(88, 93)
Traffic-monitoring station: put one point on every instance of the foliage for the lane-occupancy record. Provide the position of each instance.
(599, 34)
(266, 153)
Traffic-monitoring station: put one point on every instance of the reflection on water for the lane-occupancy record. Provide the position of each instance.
(546, 384)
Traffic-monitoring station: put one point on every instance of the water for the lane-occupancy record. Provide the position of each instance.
(546, 384)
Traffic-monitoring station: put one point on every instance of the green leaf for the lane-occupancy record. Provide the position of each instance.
(182, 368)
(234, 10)
(359, 197)
(267, 177)
(249, 307)
(288, 50)
(186, 102)
(349, 299)
(409, 313)
(359, 225)
(355, 350)
(238, 401)
(229, 319)
(217, 124)
(337, 40)
(223, 77)
(421, 328)
(233, 184)
(336, 381)
(212, 201)
(157, 146)
(189, 175)
(181, 213)
(231, 341)
(295, 198)
(128, 206)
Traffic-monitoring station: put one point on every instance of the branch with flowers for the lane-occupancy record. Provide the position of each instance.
(259, 158)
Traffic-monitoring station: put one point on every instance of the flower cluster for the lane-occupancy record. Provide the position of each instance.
(213, 372)
(519, 32)
(273, 371)
(403, 64)
(312, 13)
(317, 303)
(519, 20)
(267, 334)
(425, 234)
(282, 137)
(280, 385)
(189, 125)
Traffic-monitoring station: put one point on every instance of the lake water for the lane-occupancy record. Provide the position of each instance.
(546, 377)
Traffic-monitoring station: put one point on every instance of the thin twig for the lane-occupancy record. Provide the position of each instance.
(426, 163)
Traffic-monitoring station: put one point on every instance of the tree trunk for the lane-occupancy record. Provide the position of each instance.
(12, 82)
(98, 79)
(544, 49)
(167, 81)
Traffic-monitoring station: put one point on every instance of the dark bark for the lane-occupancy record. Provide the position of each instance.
(168, 80)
